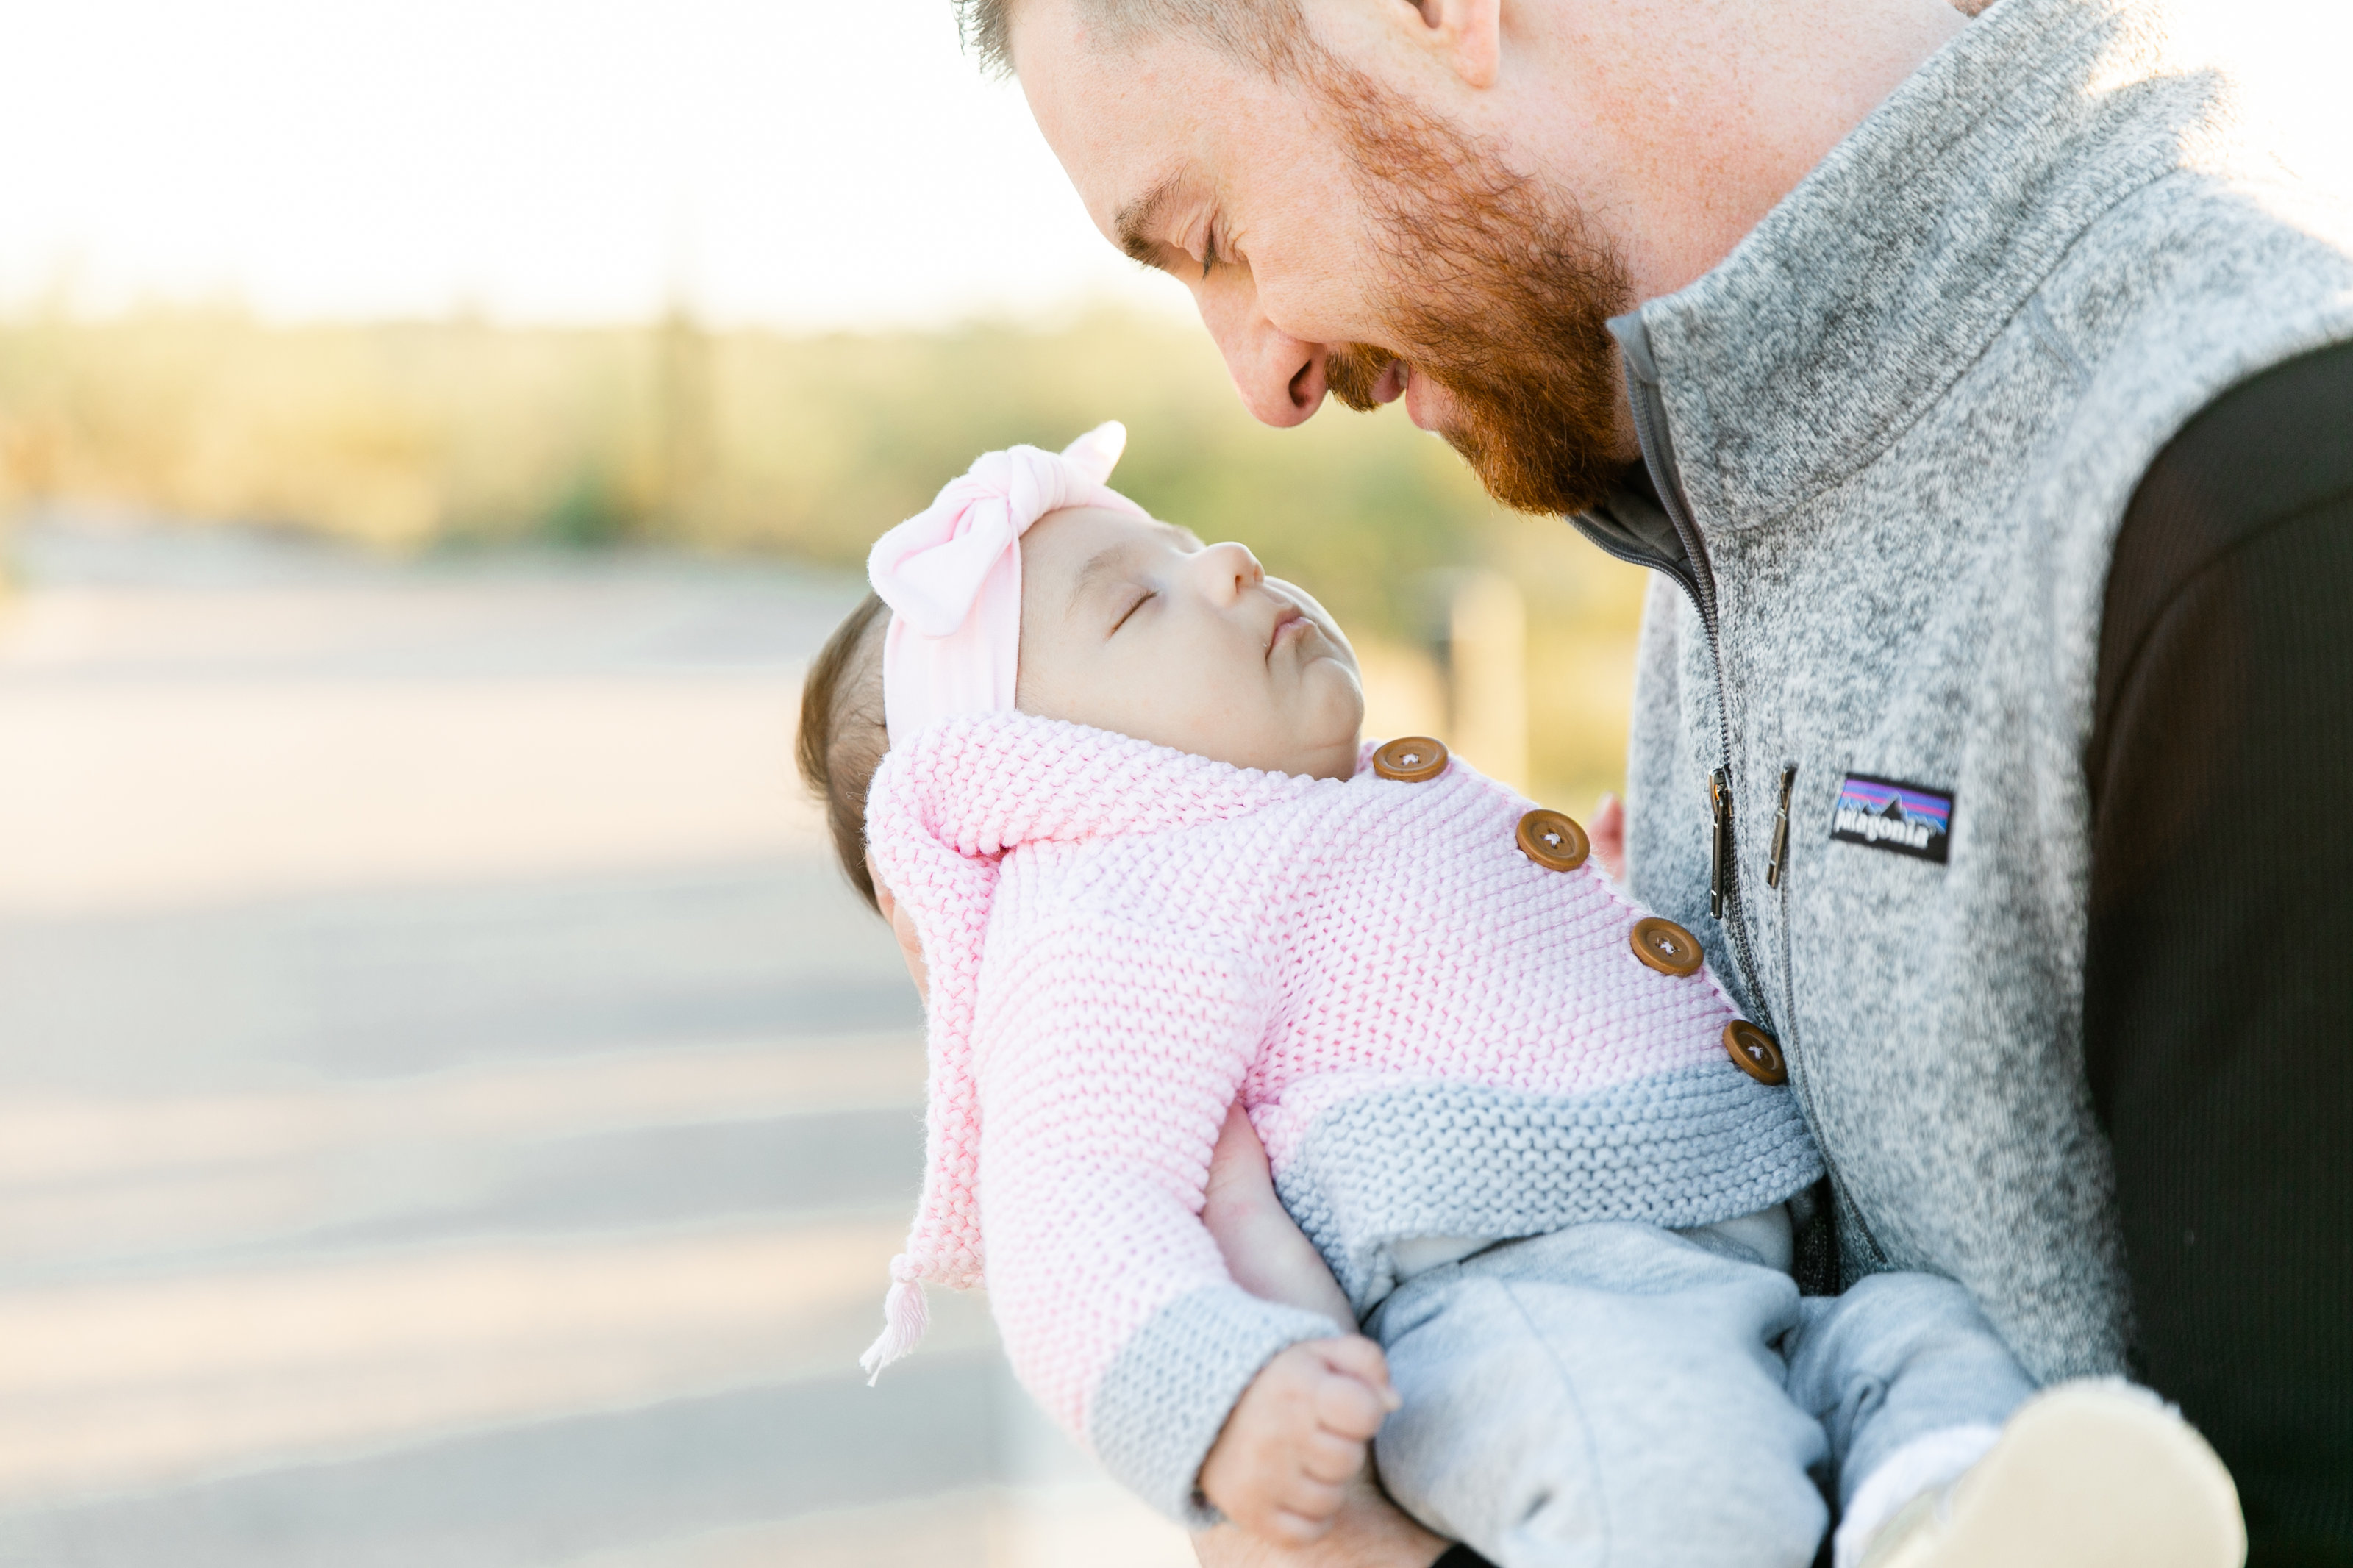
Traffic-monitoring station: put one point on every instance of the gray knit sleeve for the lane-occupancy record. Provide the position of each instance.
(1167, 1396)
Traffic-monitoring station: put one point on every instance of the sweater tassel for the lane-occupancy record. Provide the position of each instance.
(906, 1320)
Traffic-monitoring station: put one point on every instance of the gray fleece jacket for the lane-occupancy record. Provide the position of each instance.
(1892, 437)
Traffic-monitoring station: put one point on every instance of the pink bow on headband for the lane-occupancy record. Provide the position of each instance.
(952, 576)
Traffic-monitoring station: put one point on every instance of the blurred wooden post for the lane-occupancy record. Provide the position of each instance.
(21, 481)
(683, 415)
(1487, 683)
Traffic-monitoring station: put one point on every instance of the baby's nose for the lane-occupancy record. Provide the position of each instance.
(1228, 570)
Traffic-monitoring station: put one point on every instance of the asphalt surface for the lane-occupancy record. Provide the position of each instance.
(450, 1111)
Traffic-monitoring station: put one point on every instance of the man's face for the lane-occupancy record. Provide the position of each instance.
(1336, 238)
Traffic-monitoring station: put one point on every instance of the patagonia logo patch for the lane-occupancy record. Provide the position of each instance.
(1910, 819)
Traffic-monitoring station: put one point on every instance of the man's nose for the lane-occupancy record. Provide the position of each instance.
(1280, 377)
(1226, 572)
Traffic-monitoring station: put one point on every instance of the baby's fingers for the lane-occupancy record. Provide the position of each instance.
(1331, 1457)
(1348, 1409)
(1353, 1396)
(1361, 1359)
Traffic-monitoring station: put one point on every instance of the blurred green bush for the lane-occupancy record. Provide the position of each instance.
(415, 436)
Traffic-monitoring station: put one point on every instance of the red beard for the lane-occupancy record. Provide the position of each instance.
(1494, 293)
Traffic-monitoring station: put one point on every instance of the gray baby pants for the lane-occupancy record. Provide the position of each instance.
(1619, 1395)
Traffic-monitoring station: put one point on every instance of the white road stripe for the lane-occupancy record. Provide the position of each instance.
(147, 1381)
(48, 1138)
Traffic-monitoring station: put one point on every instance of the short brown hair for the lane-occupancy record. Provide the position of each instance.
(1269, 32)
(843, 736)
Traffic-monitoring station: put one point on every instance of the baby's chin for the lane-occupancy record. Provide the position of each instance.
(1324, 735)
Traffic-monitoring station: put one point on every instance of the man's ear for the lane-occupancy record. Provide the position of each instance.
(1468, 34)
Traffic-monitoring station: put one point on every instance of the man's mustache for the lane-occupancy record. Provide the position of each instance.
(1353, 371)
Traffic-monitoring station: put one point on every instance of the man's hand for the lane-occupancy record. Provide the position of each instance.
(1607, 833)
(1369, 1534)
(1297, 1437)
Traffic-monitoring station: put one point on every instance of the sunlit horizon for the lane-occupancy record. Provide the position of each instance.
(535, 161)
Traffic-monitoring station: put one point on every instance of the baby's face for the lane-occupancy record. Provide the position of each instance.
(1137, 627)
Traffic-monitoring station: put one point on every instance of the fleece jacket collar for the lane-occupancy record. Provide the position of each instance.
(1862, 298)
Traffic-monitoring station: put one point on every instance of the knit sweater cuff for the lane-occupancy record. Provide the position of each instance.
(1165, 1399)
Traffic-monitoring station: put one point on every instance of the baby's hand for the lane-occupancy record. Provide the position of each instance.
(1297, 1437)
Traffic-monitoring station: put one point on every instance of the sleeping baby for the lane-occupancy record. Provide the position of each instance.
(1107, 782)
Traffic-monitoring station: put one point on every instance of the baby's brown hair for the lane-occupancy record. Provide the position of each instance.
(843, 736)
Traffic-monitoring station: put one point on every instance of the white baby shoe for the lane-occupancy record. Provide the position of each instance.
(2086, 1475)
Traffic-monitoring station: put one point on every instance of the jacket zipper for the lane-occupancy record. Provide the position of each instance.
(1781, 851)
(1724, 878)
(1846, 1217)
(1724, 874)
(1776, 877)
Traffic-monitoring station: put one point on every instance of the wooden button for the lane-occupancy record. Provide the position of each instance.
(1666, 946)
(1411, 759)
(1553, 841)
(1754, 1052)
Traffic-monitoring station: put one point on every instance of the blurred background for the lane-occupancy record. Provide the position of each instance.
(452, 1110)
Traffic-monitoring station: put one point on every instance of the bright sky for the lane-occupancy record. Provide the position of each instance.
(800, 164)
(541, 159)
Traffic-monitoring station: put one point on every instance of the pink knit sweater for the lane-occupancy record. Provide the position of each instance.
(1434, 1035)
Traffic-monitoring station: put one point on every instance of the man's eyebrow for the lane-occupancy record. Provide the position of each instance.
(1137, 223)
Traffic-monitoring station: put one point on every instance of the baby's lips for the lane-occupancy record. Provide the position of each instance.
(1284, 619)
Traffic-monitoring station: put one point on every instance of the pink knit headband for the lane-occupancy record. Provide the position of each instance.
(952, 576)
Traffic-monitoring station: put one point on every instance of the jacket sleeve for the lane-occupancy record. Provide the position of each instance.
(2219, 975)
(1106, 1060)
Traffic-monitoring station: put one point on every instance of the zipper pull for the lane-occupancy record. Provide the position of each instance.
(1719, 852)
(1781, 827)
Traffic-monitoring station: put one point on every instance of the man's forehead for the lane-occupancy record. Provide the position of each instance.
(1125, 117)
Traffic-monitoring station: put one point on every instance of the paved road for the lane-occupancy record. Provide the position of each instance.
(450, 1112)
